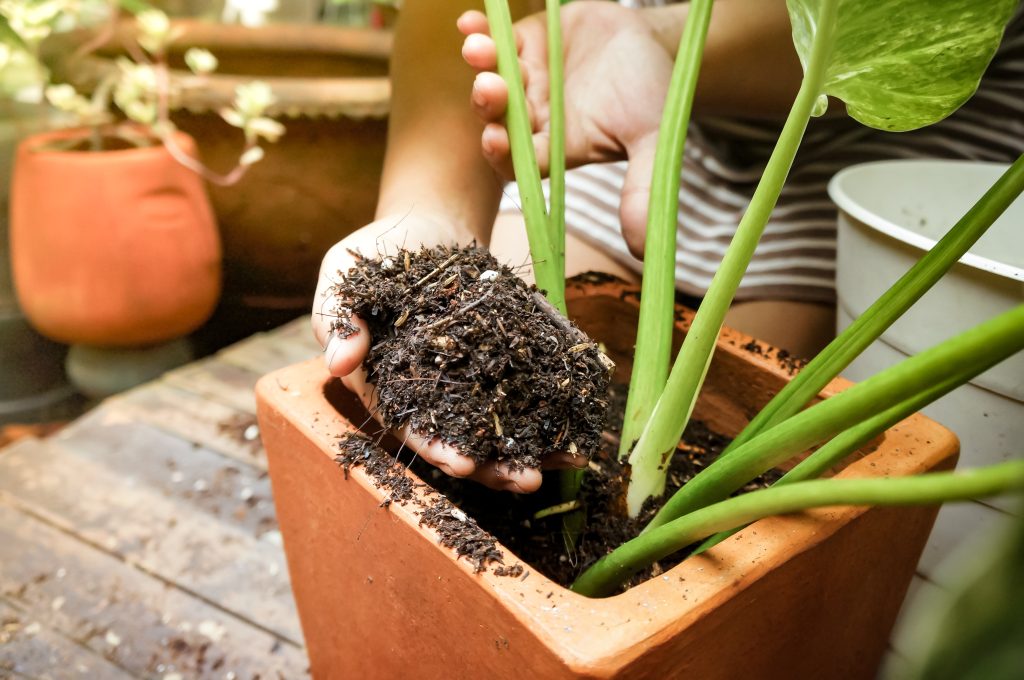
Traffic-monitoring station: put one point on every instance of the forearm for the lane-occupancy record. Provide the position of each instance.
(750, 67)
(433, 162)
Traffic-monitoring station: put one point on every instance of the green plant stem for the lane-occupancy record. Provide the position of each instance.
(134, 6)
(926, 489)
(967, 354)
(889, 307)
(524, 160)
(657, 297)
(556, 146)
(845, 443)
(673, 409)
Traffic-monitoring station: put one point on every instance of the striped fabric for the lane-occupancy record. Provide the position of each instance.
(725, 158)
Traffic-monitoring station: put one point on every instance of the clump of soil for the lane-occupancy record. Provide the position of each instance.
(485, 517)
(463, 349)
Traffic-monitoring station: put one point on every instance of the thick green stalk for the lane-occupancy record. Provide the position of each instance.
(845, 443)
(926, 489)
(889, 307)
(967, 354)
(657, 295)
(546, 269)
(556, 147)
(673, 409)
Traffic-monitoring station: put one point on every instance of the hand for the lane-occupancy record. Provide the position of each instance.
(344, 356)
(616, 79)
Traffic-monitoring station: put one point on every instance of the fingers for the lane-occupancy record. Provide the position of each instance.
(564, 461)
(497, 476)
(636, 191)
(489, 97)
(480, 52)
(495, 146)
(341, 354)
(475, 21)
(344, 355)
(500, 477)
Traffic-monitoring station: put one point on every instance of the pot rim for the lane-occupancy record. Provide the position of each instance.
(32, 143)
(351, 97)
(840, 193)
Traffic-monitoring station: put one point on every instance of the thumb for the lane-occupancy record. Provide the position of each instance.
(636, 191)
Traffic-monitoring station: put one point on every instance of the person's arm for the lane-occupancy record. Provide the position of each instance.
(750, 67)
(433, 164)
(436, 188)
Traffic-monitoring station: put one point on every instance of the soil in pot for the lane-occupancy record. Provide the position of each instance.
(460, 348)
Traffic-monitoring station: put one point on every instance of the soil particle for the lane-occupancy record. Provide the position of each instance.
(462, 348)
(457, 531)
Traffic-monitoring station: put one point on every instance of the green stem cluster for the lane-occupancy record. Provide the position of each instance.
(676, 402)
(926, 489)
(548, 256)
(967, 355)
(657, 294)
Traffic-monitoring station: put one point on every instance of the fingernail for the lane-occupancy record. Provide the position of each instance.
(478, 96)
(333, 346)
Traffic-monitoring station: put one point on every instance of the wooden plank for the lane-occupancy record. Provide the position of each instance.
(166, 506)
(28, 649)
(195, 419)
(236, 493)
(265, 352)
(123, 622)
(218, 381)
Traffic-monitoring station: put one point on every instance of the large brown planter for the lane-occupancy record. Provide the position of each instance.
(812, 595)
(316, 184)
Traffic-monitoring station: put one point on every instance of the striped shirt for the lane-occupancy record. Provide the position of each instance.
(724, 160)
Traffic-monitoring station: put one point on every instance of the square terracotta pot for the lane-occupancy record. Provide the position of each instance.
(812, 595)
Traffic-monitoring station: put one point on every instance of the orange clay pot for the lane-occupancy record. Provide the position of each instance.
(111, 248)
(811, 595)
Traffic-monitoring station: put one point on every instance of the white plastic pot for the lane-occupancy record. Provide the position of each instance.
(890, 212)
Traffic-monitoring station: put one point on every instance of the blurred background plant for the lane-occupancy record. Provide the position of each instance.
(142, 87)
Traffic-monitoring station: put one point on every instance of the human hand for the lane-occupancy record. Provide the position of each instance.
(344, 355)
(616, 78)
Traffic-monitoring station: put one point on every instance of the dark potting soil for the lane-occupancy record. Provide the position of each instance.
(463, 349)
(471, 519)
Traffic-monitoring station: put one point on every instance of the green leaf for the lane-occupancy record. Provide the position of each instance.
(904, 64)
(8, 36)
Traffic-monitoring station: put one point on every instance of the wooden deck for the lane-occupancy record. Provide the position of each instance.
(140, 541)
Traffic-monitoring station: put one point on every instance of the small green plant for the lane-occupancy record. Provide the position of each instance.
(141, 87)
(897, 65)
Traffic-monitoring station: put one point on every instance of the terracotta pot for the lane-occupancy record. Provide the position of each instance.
(112, 248)
(316, 184)
(811, 595)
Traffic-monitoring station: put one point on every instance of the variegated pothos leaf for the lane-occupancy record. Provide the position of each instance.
(904, 64)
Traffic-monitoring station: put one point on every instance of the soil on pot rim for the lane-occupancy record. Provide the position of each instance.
(463, 349)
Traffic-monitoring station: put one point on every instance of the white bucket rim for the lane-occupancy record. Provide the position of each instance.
(849, 205)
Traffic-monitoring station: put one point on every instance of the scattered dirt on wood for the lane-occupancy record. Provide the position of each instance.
(462, 348)
(243, 429)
